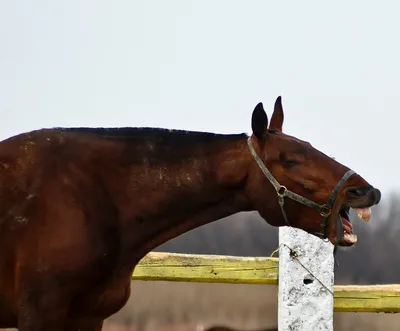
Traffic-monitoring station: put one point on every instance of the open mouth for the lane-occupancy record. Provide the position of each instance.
(360, 199)
(349, 237)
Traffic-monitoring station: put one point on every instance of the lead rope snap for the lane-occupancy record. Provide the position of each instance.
(281, 194)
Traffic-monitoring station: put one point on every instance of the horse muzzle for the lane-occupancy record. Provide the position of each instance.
(360, 199)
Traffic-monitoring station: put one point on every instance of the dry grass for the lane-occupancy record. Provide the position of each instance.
(154, 304)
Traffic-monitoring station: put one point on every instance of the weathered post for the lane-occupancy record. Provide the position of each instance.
(306, 277)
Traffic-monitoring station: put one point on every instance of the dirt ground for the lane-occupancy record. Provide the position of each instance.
(169, 306)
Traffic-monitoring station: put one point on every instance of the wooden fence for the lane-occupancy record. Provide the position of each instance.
(258, 270)
(304, 273)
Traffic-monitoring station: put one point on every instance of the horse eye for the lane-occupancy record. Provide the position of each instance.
(286, 162)
(290, 163)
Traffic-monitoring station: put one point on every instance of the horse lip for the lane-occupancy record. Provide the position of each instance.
(362, 202)
(343, 211)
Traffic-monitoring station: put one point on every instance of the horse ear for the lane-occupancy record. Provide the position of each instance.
(277, 116)
(259, 122)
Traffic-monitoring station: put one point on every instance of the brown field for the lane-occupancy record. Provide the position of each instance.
(168, 306)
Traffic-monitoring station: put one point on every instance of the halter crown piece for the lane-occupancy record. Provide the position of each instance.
(325, 210)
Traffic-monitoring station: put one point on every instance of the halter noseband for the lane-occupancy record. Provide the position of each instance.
(325, 210)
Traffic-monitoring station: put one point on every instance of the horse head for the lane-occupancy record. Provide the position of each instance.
(311, 191)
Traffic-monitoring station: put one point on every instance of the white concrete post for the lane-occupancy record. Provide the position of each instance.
(304, 304)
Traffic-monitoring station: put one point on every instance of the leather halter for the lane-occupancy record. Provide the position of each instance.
(325, 210)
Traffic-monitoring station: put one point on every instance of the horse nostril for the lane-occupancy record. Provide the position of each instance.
(357, 191)
(360, 191)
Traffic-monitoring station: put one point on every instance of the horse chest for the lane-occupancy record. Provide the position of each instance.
(107, 300)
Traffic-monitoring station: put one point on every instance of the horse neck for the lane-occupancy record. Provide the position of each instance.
(202, 184)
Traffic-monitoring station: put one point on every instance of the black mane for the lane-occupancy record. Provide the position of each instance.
(156, 135)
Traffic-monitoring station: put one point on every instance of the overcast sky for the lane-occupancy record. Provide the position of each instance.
(204, 65)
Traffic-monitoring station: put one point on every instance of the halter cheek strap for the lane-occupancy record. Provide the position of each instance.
(325, 210)
(331, 200)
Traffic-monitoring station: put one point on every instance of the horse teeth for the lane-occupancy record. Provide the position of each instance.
(350, 238)
(363, 213)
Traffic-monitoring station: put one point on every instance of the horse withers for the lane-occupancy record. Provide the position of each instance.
(80, 207)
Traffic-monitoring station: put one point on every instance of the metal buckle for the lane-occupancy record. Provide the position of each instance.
(325, 211)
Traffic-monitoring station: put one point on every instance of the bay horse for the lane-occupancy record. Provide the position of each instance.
(80, 207)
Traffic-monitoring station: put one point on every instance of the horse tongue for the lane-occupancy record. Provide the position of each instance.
(347, 227)
(348, 235)
(363, 213)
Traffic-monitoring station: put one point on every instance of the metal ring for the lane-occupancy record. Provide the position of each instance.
(281, 190)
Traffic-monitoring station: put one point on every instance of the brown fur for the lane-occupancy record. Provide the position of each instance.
(81, 207)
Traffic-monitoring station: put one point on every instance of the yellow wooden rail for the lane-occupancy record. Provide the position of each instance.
(207, 268)
(367, 298)
(258, 270)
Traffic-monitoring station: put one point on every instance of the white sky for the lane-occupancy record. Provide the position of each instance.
(204, 65)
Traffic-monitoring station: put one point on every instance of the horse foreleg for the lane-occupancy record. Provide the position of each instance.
(42, 317)
(43, 305)
(92, 325)
(95, 326)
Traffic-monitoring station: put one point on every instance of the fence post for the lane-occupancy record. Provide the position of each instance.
(304, 304)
